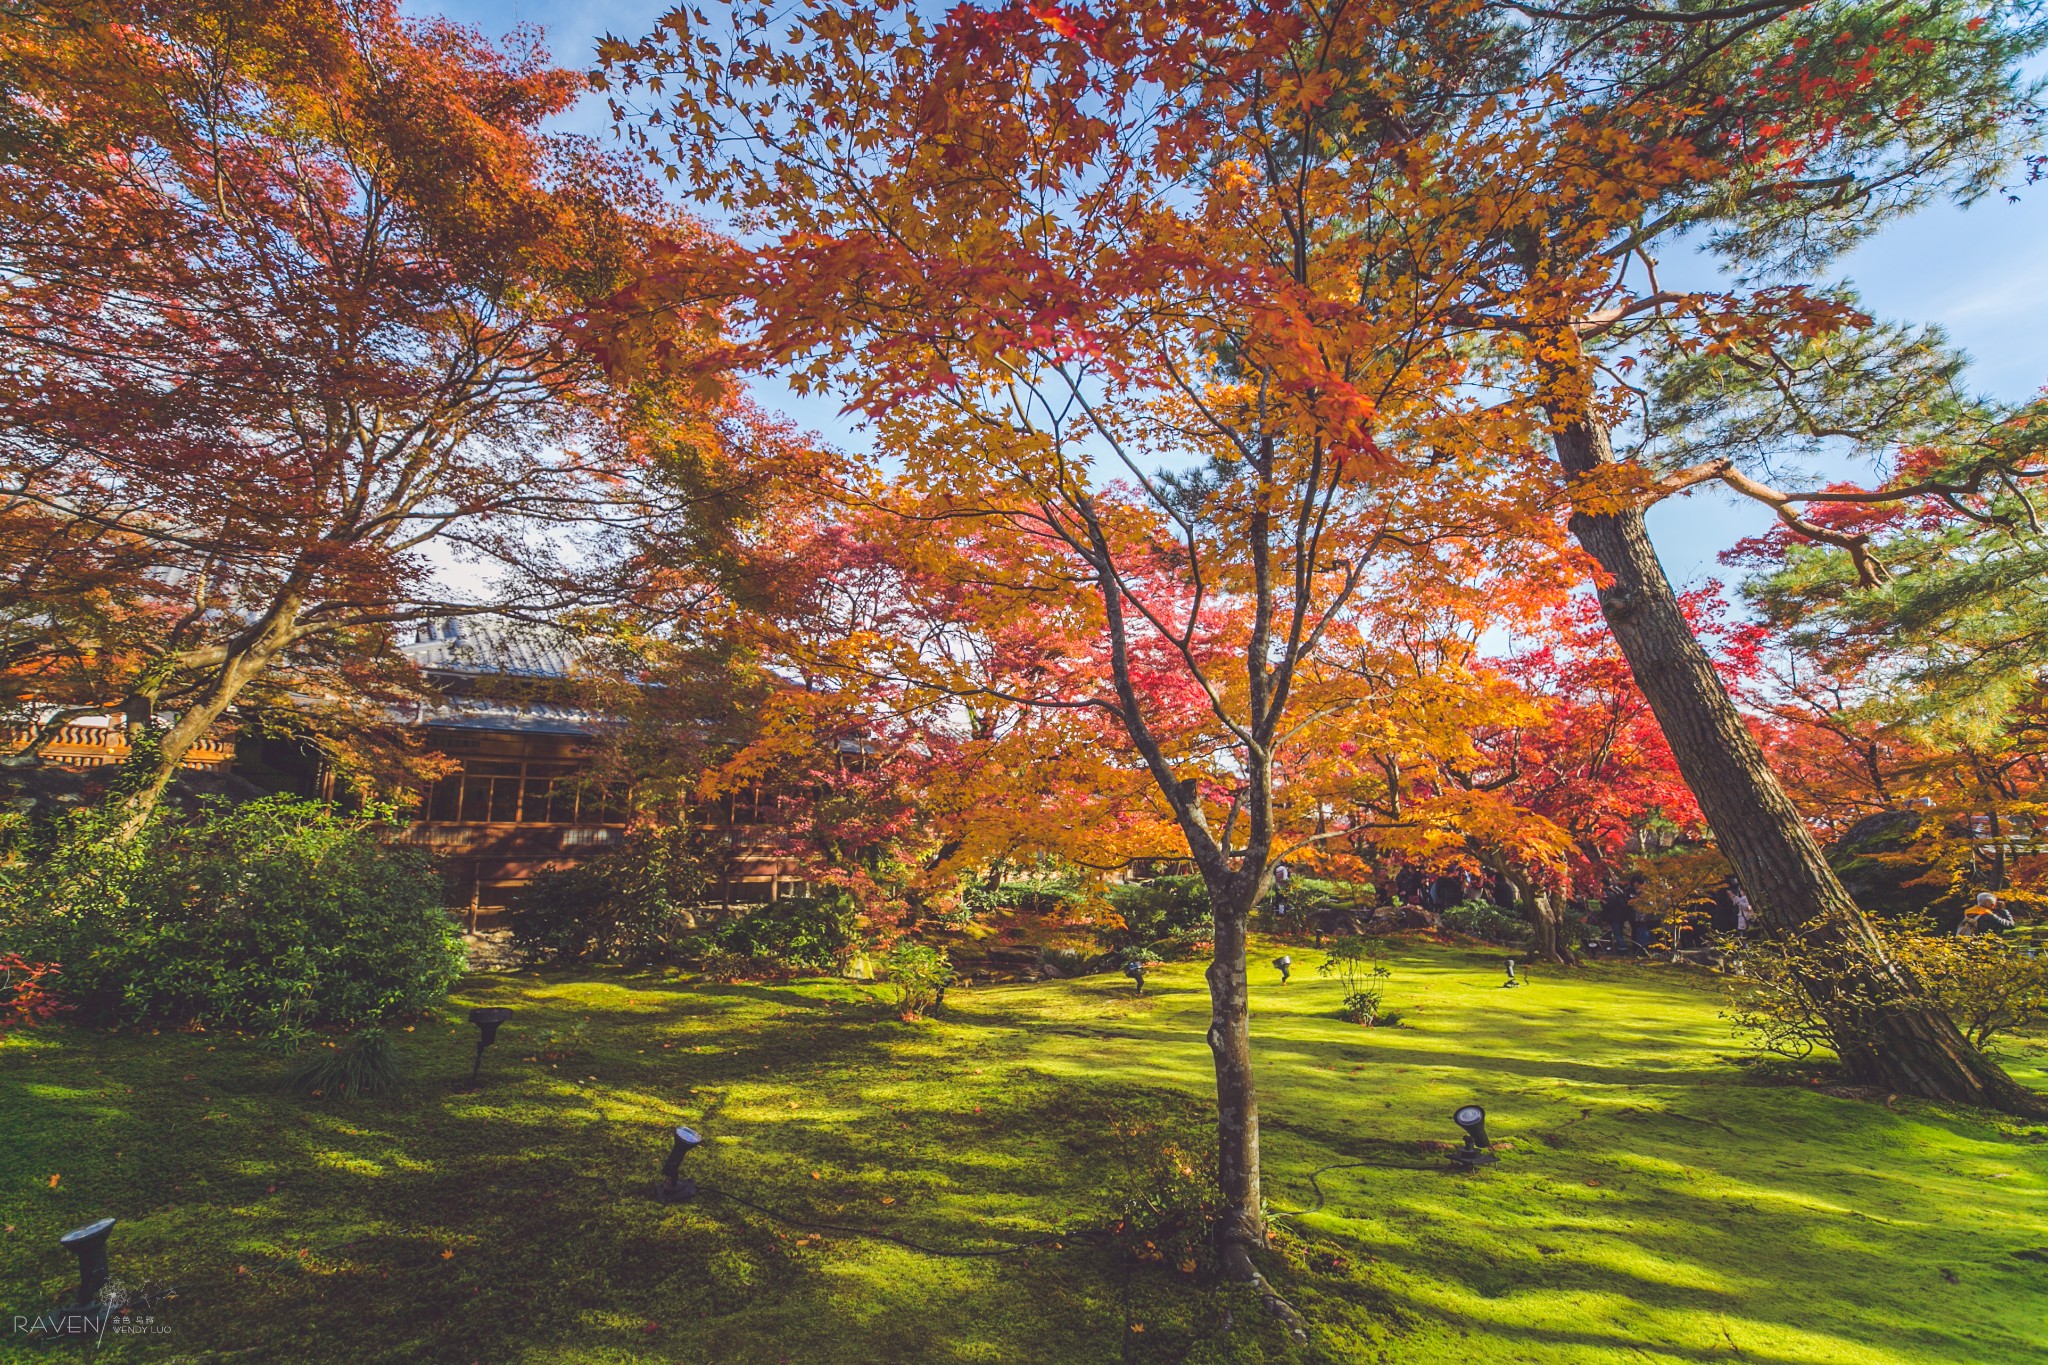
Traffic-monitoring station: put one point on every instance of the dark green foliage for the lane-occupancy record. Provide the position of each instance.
(274, 916)
(1308, 895)
(1323, 907)
(1880, 867)
(632, 905)
(365, 1064)
(1484, 919)
(1046, 896)
(800, 933)
(1167, 916)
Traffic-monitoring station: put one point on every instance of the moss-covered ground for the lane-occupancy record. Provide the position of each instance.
(1655, 1200)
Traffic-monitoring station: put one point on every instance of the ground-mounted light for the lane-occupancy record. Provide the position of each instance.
(674, 1189)
(1136, 972)
(84, 1315)
(1285, 964)
(487, 1020)
(1512, 980)
(1474, 1153)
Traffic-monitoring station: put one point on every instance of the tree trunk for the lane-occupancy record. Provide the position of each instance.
(1548, 944)
(157, 759)
(1241, 1224)
(1884, 1032)
(1237, 1098)
(1546, 924)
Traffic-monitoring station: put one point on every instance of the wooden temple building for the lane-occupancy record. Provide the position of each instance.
(523, 798)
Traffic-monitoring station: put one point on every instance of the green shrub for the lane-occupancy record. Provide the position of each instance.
(631, 905)
(1308, 896)
(363, 1064)
(1167, 1199)
(1986, 986)
(272, 916)
(1168, 916)
(1359, 967)
(920, 974)
(1484, 919)
(1047, 896)
(796, 933)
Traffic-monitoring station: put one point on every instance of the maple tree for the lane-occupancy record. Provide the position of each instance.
(1173, 420)
(288, 309)
(1591, 759)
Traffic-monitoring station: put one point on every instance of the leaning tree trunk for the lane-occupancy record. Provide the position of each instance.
(1885, 1033)
(155, 766)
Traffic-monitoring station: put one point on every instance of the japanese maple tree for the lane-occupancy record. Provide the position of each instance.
(1171, 409)
(288, 310)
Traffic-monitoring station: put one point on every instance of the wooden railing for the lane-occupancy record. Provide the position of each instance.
(503, 838)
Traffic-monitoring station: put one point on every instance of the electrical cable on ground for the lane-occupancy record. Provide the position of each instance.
(1322, 1198)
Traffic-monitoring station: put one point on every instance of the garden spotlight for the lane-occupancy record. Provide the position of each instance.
(1136, 972)
(487, 1021)
(1512, 980)
(85, 1314)
(1284, 963)
(1473, 1154)
(673, 1188)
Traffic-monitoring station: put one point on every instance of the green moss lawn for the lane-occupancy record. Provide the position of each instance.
(1655, 1201)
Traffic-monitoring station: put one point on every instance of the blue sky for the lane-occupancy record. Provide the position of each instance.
(1980, 273)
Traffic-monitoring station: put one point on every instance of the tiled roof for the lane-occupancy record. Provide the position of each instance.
(487, 646)
(506, 717)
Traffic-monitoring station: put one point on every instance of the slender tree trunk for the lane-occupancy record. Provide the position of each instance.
(1884, 1032)
(1241, 1225)
(1237, 1096)
(157, 762)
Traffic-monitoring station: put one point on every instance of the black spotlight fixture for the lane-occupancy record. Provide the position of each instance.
(1473, 1154)
(1135, 970)
(1512, 980)
(487, 1021)
(85, 1314)
(674, 1189)
(1285, 964)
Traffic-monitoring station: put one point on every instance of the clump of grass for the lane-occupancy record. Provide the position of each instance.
(364, 1064)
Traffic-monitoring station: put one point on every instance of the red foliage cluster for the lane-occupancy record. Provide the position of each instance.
(26, 995)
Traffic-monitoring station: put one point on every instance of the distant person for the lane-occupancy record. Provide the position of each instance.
(1285, 964)
(1744, 915)
(1619, 913)
(1986, 917)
